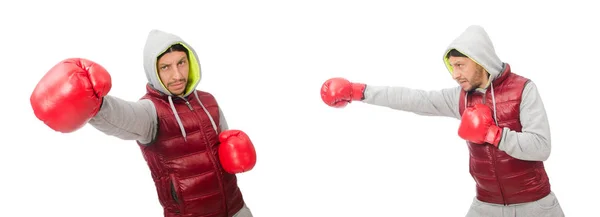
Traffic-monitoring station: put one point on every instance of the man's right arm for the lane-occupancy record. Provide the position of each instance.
(442, 102)
(127, 120)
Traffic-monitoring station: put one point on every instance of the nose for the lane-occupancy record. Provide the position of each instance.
(456, 74)
(177, 74)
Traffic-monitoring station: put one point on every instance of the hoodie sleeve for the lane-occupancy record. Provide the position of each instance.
(533, 142)
(127, 120)
(442, 102)
(222, 121)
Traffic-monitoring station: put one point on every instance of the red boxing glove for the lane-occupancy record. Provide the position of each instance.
(70, 94)
(236, 152)
(338, 92)
(477, 126)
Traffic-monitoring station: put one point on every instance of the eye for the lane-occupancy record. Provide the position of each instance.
(181, 62)
(164, 67)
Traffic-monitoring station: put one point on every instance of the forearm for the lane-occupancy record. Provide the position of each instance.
(126, 120)
(531, 146)
(430, 103)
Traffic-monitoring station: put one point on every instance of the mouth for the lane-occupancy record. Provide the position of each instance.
(177, 85)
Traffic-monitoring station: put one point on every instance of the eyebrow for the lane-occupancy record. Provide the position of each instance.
(168, 64)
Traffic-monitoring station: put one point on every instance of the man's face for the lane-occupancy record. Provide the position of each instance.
(173, 69)
(467, 73)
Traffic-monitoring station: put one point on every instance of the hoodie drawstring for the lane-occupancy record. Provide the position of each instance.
(493, 102)
(183, 133)
(207, 113)
(178, 119)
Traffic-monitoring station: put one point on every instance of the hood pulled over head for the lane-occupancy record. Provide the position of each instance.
(157, 43)
(475, 43)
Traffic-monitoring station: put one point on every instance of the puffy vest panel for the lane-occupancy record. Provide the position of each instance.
(187, 172)
(500, 178)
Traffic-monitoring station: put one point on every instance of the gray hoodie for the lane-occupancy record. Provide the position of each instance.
(532, 143)
(138, 120)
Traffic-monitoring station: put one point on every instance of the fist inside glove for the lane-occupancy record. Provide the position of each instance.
(477, 126)
(338, 92)
(70, 94)
(236, 152)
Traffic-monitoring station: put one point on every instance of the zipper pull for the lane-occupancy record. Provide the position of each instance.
(189, 106)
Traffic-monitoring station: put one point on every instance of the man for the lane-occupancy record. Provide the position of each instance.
(182, 132)
(502, 118)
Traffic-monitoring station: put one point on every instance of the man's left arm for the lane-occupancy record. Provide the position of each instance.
(533, 142)
(236, 152)
(222, 121)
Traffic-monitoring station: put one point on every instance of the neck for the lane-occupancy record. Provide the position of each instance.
(485, 80)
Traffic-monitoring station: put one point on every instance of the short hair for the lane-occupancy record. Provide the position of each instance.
(175, 47)
(455, 53)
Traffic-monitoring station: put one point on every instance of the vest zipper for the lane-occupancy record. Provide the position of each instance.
(496, 175)
(188, 104)
(484, 99)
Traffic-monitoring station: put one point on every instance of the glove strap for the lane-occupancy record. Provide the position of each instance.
(494, 135)
(358, 91)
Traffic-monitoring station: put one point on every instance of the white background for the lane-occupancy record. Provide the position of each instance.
(265, 62)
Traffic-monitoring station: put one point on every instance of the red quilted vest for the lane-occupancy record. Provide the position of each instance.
(500, 178)
(187, 173)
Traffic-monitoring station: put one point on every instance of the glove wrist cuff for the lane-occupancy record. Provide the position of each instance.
(493, 136)
(358, 91)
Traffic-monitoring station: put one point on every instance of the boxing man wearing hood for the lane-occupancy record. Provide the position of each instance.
(192, 155)
(502, 118)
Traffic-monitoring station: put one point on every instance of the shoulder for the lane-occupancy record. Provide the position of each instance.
(202, 93)
(519, 78)
(150, 100)
(207, 98)
(527, 84)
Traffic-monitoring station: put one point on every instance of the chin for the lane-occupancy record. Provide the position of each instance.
(178, 92)
(467, 88)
